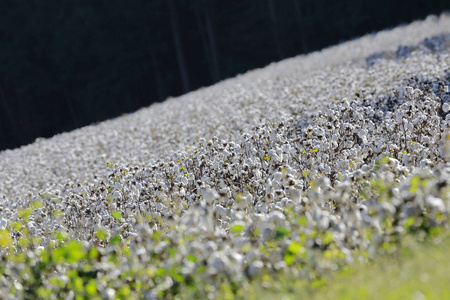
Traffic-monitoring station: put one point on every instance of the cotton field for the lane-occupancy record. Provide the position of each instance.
(301, 168)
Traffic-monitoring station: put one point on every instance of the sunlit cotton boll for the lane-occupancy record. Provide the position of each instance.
(255, 268)
(435, 203)
(210, 195)
(3, 224)
(276, 216)
(117, 195)
(217, 262)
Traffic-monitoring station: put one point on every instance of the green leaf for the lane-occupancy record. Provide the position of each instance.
(115, 240)
(414, 185)
(295, 248)
(409, 222)
(93, 253)
(101, 235)
(75, 251)
(124, 292)
(5, 238)
(56, 213)
(176, 275)
(37, 204)
(78, 283)
(25, 213)
(91, 288)
(191, 257)
(281, 232)
(116, 215)
(302, 221)
(328, 238)
(172, 252)
(62, 236)
(237, 228)
(59, 254)
(289, 258)
(161, 272)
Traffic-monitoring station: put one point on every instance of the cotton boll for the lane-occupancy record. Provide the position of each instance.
(393, 163)
(409, 91)
(406, 158)
(3, 224)
(446, 107)
(425, 163)
(417, 120)
(276, 216)
(191, 177)
(408, 126)
(435, 203)
(210, 195)
(217, 262)
(255, 268)
(426, 139)
(435, 120)
(388, 207)
(117, 195)
(182, 179)
(159, 206)
(335, 138)
(108, 294)
(277, 176)
(202, 142)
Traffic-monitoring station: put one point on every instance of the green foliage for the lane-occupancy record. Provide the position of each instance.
(290, 247)
(419, 271)
(293, 251)
(116, 215)
(237, 228)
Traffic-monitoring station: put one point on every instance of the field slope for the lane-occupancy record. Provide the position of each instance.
(296, 170)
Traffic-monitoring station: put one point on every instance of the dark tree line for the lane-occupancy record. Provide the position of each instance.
(66, 64)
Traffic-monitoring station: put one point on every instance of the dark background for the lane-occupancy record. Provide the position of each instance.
(66, 64)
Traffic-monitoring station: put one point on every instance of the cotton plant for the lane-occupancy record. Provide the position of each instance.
(303, 171)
